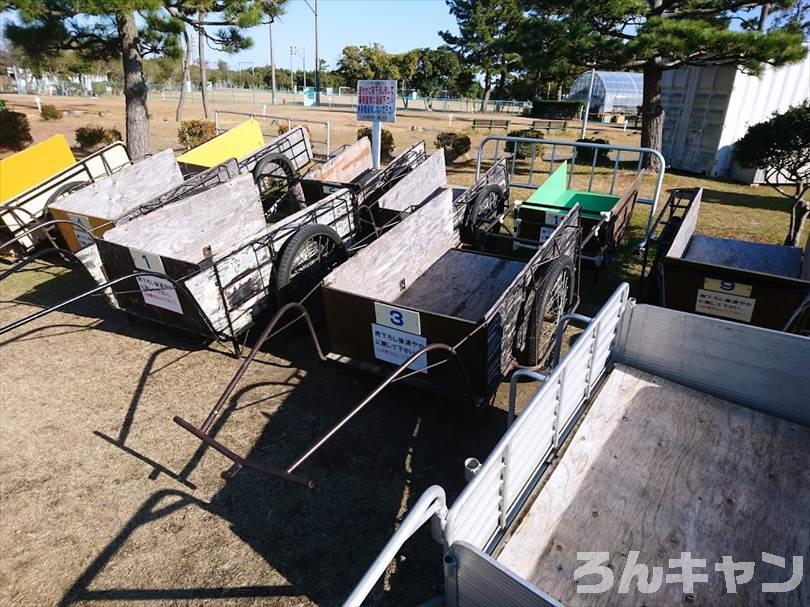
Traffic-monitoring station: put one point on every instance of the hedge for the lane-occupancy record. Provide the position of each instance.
(556, 110)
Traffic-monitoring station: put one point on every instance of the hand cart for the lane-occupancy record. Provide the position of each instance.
(766, 285)
(367, 318)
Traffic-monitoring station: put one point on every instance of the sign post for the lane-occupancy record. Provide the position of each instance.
(377, 103)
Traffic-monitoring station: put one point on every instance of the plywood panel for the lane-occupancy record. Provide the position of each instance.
(416, 186)
(221, 218)
(131, 186)
(343, 168)
(388, 265)
(463, 284)
(663, 469)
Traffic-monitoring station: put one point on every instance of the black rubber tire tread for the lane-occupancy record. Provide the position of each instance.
(64, 189)
(541, 300)
(291, 250)
(285, 164)
(480, 199)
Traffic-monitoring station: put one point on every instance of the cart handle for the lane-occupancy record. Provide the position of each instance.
(374, 393)
(16, 267)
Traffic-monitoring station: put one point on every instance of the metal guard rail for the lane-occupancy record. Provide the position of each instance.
(653, 203)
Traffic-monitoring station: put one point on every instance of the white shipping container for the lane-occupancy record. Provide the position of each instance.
(708, 109)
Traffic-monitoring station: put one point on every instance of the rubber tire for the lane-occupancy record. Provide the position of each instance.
(64, 189)
(291, 250)
(480, 200)
(541, 301)
(284, 163)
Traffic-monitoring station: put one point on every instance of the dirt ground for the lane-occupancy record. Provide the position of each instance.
(103, 500)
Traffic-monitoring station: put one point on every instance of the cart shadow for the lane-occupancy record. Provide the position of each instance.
(322, 540)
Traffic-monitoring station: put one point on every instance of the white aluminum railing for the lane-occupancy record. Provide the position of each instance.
(501, 485)
(491, 500)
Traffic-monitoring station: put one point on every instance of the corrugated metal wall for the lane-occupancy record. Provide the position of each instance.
(709, 108)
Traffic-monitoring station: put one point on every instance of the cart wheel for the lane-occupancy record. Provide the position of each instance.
(551, 302)
(488, 204)
(275, 176)
(309, 255)
(63, 190)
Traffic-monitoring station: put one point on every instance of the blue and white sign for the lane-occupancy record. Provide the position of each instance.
(396, 347)
(377, 100)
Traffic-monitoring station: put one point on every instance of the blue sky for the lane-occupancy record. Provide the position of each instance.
(399, 25)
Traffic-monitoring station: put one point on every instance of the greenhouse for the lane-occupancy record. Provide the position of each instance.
(619, 92)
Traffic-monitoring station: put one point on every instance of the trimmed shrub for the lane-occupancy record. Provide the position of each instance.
(15, 131)
(195, 132)
(98, 88)
(49, 112)
(386, 140)
(585, 155)
(524, 150)
(93, 135)
(556, 110)
(453, 144)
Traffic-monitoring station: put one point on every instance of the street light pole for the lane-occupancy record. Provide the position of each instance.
(272, 62)
(292, 82)
(317, 61)
(314, 10)
(304, 64)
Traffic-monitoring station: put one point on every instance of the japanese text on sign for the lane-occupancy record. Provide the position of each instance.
(725, 306)
(156, 291)
(377, 100)
(396, 347)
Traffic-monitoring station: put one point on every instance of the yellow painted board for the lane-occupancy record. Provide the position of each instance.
(74, 237)
(237, 143)
(33, 165)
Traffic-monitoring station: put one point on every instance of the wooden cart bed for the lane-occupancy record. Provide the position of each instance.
(461, 283)
(663, 469)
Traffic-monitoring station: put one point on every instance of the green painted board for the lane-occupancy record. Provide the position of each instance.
(553, 195)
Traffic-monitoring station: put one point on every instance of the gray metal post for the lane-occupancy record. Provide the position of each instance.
(304, 64)
(588, 104)
(318, 66)
(272, 63)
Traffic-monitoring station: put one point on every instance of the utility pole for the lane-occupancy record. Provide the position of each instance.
(292, 82)
(272, 62)
(304, 64)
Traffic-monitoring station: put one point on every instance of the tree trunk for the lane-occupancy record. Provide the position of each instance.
(652, 112)
(487, 91)
(203, 71)
(798, 217)
(536, 85)
(135, 92)
(186, 76)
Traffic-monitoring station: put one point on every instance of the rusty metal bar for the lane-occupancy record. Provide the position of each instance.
(212, 416)
(202, 433)
(239, 461)
(374, 393)
(31, 258)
